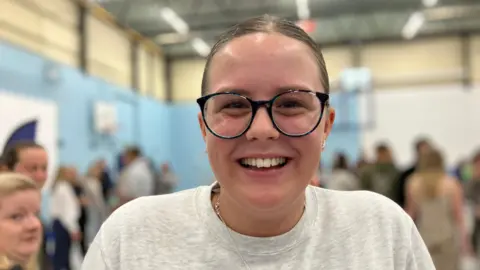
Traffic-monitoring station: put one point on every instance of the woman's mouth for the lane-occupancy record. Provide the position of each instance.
(263, 163)
(29, 239)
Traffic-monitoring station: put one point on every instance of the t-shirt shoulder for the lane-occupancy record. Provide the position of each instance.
(364, 207)
(139, 219)
(141, 210)
(362, 201)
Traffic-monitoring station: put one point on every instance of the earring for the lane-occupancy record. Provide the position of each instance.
(323, 145)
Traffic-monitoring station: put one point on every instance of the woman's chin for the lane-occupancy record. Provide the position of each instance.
(29, 250)
(266, 200)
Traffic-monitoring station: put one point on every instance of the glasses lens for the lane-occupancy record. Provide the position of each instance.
(297, 113)
(227, 115)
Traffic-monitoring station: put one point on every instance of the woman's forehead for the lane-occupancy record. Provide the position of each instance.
(264, 61)
(23, 201)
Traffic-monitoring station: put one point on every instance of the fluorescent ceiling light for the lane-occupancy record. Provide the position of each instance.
(171, 38)
(413, 25)
(172, 18)
(430, 3)
(201, 47)
(303, 11)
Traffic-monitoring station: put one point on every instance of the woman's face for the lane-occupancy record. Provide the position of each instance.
(71, 174)
(20, 227)
(261, 66)
(33, 162)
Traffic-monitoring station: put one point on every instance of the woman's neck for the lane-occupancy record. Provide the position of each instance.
(12, 260)
(243, 221)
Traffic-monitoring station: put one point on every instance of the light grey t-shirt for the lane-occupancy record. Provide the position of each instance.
(339, 230)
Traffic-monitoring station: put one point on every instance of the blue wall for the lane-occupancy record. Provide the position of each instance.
(346, 134)
(187, 147)
(142, 121)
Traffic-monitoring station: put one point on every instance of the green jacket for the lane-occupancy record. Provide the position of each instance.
(380, 178)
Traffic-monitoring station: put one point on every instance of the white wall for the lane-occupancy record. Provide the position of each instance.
(151, 72)
(449, 115)
(187, 79)
(418, 62)
(108, 52)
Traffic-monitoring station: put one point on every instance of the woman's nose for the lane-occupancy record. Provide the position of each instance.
(33, 223)
(262, 127)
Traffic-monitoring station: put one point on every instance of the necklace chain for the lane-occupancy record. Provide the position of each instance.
(216, 207)
(217, 211)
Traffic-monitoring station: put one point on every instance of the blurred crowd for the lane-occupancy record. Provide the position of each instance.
(435, 196)
(73, 209)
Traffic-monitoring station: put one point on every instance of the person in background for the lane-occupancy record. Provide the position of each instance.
(361, 164)
(105, 180)
(3, 164)
(20, 227)
(473, 195)
(136, 179)
(31, 159)
(342, 178)
(28, 158)
(380, 177)
(82, 198)
(421, 146)
(435, 201)
(322, 177)
(65, 211)
(97, 210)
(166, 181)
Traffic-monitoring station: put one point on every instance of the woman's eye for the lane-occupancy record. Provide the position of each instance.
(290, 104)
(16, 217)
(234, 106)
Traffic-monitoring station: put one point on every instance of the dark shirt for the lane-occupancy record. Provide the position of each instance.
(401, 186)
(82, 220)
(107, 184)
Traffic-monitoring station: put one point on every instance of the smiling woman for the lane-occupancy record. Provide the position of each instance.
(265, 118)
(20, 227)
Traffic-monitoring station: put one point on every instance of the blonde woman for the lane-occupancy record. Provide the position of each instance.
(435, 201)
(20, 227)
(65, 211)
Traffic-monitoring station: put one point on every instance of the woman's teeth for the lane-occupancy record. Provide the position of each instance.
(263, 162)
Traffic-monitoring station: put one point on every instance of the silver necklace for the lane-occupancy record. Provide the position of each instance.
(217, 211)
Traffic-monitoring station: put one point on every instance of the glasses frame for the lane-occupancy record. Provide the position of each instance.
(257, 104)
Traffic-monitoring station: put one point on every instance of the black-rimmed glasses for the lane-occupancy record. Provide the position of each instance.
(294, 113)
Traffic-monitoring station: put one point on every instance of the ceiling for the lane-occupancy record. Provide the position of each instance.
(337, 21)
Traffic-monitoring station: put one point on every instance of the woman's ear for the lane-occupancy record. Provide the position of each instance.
(202, 126)
(329, 120)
